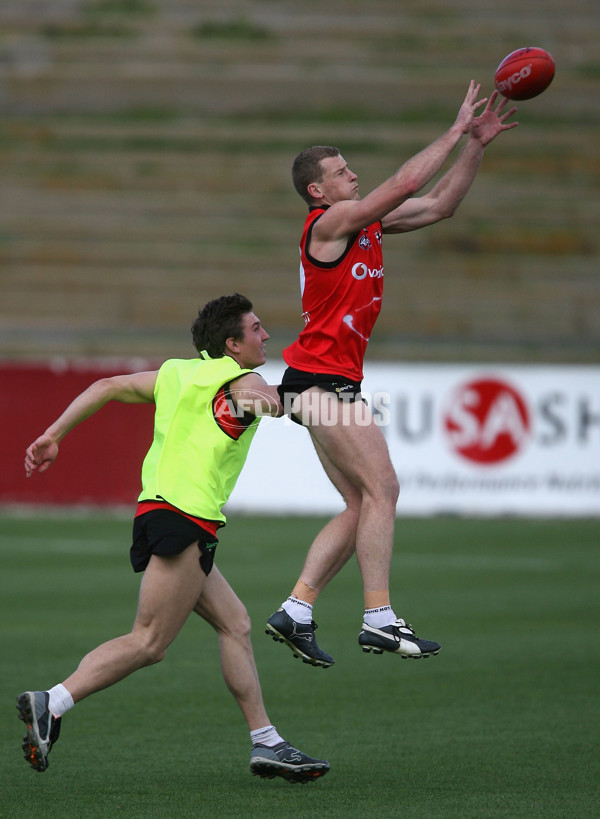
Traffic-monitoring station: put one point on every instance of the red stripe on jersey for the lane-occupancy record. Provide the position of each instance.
(228, 419)
(144, 506)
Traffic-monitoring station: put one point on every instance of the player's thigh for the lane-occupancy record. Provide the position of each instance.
(347, 489)
(168, 593)
(353, 443)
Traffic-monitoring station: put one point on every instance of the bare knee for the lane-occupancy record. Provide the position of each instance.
(242, 624)
(237, 625)
(155, 654)
(386, 490)
(150, 649)
(393, 487)
(353, 506)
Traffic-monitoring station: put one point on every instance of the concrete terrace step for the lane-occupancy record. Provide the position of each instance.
(145, 168)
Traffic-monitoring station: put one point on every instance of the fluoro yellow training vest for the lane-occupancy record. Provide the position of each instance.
(192, 463)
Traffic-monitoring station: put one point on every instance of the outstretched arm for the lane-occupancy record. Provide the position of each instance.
(131, 389)
(443, 200)
(346, 217)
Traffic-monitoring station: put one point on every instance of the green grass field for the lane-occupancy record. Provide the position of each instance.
(503, 723)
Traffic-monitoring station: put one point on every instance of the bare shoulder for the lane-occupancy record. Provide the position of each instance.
(337, 222)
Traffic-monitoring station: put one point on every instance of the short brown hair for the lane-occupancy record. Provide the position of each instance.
(307, 168)
(219, 320)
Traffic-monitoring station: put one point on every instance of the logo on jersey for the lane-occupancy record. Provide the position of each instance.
(378, 236)
(364, 242)
(350, 318)
(360, 271)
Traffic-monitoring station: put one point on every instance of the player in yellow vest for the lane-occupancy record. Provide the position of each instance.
(207, 410)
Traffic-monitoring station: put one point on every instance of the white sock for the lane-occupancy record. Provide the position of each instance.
(60, 700)
(265, 736)
(298, 610)
(380, 617)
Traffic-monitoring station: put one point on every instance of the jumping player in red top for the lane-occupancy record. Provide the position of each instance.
(341, 301)
(341, 281)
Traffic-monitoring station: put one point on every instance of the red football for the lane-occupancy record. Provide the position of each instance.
(525, 73)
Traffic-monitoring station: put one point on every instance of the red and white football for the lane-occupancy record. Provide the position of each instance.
(525, 73)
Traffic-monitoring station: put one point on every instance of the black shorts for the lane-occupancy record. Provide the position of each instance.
(165, 533)
(295, 382)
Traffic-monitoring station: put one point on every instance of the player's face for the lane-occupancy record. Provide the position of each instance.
(338, 182)
(251, 351)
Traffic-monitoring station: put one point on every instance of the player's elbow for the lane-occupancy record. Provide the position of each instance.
(105, 389)
(270, 405)
(447, 213)
(444, 210)
(411, 185)
(277, 410)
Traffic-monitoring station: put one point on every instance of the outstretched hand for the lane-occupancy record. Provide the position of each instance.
(40, 454)
(490, 123)
(470, 105)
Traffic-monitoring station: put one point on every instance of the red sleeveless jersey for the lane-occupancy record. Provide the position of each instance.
(340, 303)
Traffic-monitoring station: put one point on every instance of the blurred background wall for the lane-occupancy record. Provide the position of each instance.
(145, 156)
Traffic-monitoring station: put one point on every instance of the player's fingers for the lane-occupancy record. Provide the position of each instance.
(472, 92)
